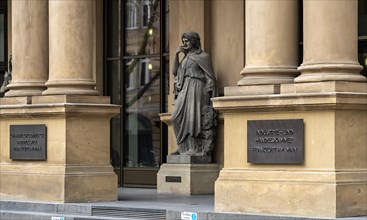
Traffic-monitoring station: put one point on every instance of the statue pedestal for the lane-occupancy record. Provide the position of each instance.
(190, 178)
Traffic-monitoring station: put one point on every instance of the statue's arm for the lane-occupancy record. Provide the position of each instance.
(175, 64)
(176, 61)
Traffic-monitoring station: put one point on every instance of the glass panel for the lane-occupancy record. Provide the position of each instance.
(362, 18)
(142, 27)
(166, 48)
(113, 32)
(113, 75)
(2, 38)
(142, 146)
(115, 150)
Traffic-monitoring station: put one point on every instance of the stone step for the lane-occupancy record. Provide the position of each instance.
(74, 211)
(19, 215)
(15, 210)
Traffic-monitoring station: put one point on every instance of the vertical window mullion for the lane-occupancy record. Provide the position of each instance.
(163, 135)
(122, 87)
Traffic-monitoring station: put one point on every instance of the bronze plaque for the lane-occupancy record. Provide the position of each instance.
(28, 142)
(275, 141)
(173, 179)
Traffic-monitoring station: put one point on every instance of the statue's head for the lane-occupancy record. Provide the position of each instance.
(193, 37)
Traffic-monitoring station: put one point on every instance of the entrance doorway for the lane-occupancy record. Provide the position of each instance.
(136, 77)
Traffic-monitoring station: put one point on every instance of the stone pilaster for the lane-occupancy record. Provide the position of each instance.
(71, 48)
(271, 42)
(30, 48)
(330, 42)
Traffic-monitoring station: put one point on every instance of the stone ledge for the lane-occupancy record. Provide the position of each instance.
(299, 176)
(15, 101)
(49, 99)
(322, 87)
(252, 90)
(59, 109)
(291, 102)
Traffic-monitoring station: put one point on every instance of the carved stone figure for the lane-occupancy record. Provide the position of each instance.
(7, 78)
(193, 118)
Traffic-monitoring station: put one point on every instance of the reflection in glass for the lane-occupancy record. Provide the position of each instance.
(146, 14)
(144, 37)
(142, 105)
(131, 15)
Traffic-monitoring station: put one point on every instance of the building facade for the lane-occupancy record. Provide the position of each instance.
(97, 75)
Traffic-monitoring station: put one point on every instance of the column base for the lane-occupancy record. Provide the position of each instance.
(330, 72)
(77, 166)
(187, 179)
(70, 87)
(267, 75)
(25, 89)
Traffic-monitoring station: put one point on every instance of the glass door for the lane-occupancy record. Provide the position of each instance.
(136, 78)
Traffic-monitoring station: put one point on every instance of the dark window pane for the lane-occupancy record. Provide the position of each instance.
(142, 106)
(362, 18)
(146, 13)
(113, 32)
(2, 38)
(113, 74)
(142, 36)
(166, 23)
(115, 149)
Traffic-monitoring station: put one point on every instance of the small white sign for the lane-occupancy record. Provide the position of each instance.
(189, 216)
(57, 218)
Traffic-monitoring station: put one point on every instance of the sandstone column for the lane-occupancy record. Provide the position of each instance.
(30, 47)
(71, 48)
(271, 42)
(330, 41)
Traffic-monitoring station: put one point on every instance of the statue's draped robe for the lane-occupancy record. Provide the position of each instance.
(194, 85)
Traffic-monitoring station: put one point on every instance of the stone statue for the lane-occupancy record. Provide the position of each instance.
(193, 118)
(7, 78)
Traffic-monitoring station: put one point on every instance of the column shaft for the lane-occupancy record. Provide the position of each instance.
(71, 48)
(30, 47)
(330, 41)
(271, 42)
